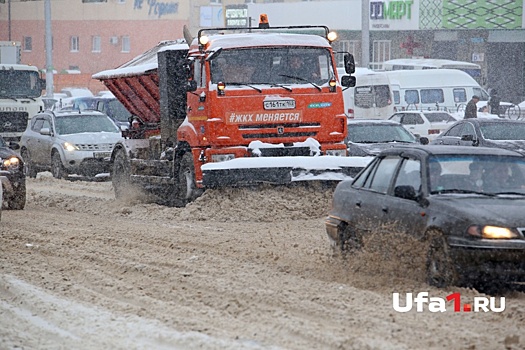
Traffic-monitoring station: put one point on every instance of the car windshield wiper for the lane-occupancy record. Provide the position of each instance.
(512, 193)
(458, 190)
(244, 84)
(301, 79)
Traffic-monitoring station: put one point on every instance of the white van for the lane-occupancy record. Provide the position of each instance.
(371, 98)
(433, 89)
(473, 69)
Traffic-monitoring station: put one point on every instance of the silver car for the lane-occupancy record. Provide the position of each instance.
(69, 142)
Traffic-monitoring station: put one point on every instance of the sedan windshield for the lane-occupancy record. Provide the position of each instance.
(503, 131)
(481, 174)
(378, 134)
(76, 124)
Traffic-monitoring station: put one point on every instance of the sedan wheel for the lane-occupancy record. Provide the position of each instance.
(441, 271)
(57, 169)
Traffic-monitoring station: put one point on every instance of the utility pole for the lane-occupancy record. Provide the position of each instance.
(49, 49)
(365, 33)
(9, 18)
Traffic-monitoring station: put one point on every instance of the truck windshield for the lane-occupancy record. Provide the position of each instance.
(273, 66)
(19, 83)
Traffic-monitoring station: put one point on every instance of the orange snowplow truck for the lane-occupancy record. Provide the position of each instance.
(237, 106)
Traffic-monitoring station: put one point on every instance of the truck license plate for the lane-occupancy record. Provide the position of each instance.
(279, 104)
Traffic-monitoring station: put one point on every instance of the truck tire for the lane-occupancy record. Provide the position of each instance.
(441, 271)
(29, 167)
(186, 189)
(18, 200)
(57, 169)
(121, 172)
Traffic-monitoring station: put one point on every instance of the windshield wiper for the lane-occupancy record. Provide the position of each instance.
(458, 190)
(284, 87)
(511, 192)
(301, 79)
(239, 84)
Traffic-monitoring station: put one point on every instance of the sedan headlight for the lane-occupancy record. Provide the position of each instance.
(222, 157)
(492, 232)
(336, 152)
(68, 146)
(11, 162)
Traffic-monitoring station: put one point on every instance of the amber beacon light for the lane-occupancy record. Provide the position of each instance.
(263, 21)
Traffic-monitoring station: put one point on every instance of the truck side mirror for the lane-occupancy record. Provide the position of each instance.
(348, 81)
(349, 63)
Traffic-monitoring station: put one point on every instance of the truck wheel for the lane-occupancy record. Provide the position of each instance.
(29, 167)
(18, 201)
(57, 169)
(120, 177)
(186, 189)
(441, 271)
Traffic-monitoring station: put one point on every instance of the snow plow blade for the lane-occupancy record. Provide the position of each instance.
(281, 170)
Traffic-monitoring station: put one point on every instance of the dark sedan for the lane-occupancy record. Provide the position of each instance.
(12, 176)
(471, 220)
(367, 137)
(485, 132)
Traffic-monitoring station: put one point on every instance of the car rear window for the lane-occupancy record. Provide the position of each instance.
(503, 131)
(439, 117)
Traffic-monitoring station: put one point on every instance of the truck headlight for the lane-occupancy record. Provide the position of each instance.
(336, 152)
(492, 232)
(11, 162)
(222, 157)
(68, 146)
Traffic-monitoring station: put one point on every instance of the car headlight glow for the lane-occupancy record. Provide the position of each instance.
(11, 162)
(70, 146)
(336, 152)
(222, 157)
(493, 232)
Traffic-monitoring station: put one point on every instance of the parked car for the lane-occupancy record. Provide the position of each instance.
(424, 123)
(12, 176)
(497, 133)
(367, 137)
(473, 226)
(69, 142)
(107, 104)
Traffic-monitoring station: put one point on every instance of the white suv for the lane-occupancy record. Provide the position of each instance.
(69, 142)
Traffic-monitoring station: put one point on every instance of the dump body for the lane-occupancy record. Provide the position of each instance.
(234, 98)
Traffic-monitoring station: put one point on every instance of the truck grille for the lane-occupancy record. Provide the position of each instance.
(13, 121)
(261, 131)
(96, 147)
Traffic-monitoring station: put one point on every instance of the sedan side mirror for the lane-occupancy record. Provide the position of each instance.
(424, 140)
(470, 137)
(406, 192)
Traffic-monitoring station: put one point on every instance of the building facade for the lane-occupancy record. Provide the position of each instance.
(90, 35)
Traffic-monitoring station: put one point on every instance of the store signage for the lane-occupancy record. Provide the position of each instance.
(391, 9)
